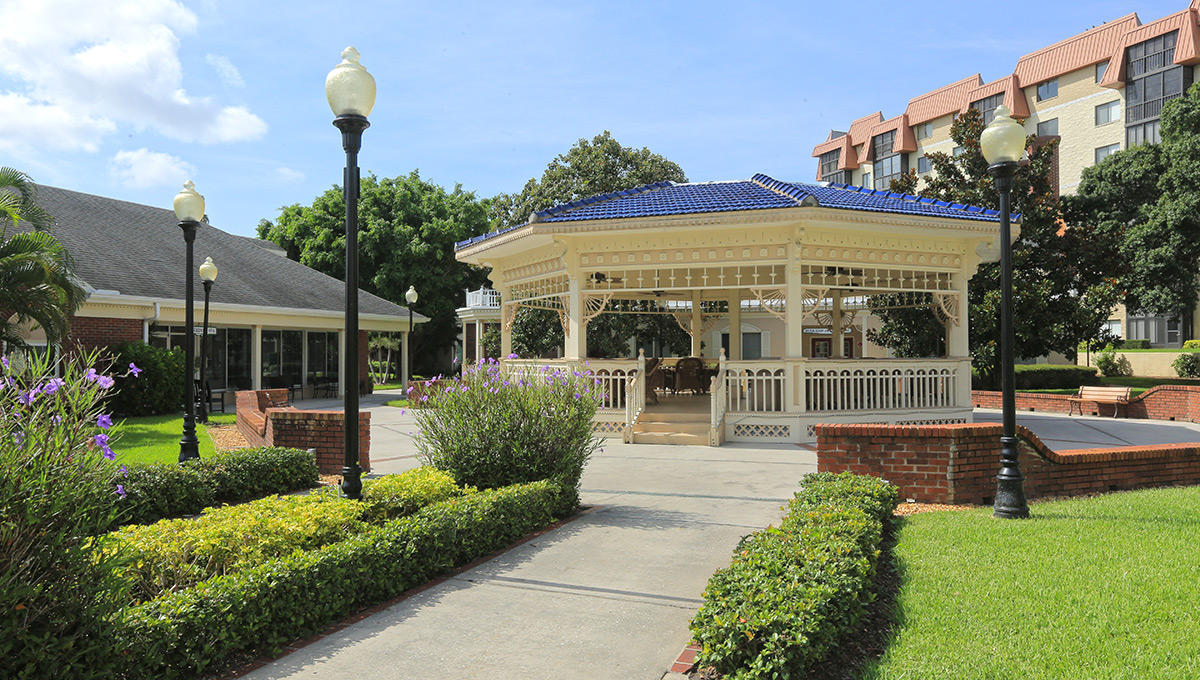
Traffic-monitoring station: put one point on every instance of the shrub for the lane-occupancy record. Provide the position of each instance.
(489, 430)
(160, 387)
(1187, 365)
(1111, 363)
(192, 632)
(1191, 344)
(58, 593)
(160, 490)
(1043, 376)
(1135, 344)
(792, 592)
(178, 553)
(394, 496)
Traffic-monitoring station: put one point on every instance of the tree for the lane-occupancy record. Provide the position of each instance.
(1061, 281)
(407, 231)
(37, 284)
(598, 166)
(1147, 199)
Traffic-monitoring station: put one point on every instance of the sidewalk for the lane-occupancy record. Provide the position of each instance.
(608, 595)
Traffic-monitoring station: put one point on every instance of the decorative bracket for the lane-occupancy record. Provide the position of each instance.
(947, 308)
(810, 299)
(593, 306)
(509, 314)
(773, 301)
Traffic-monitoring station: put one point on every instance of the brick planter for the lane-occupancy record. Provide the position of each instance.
(1162, 402)
(324, 431)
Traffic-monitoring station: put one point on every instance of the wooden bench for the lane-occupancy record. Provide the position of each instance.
(1117, 396)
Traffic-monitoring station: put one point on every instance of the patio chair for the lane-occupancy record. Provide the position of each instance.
(688, 374)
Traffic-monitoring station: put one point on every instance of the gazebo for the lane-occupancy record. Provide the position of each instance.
(812, 259)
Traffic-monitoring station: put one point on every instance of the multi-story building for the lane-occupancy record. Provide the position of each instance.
(1097, 92)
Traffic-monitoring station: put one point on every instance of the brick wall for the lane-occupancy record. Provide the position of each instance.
(958, 463)
(90, 332)
(264, 425)
(1162, 402)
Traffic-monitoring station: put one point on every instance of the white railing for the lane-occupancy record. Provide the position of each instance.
(612, 375)
(717, 402)
(755, 386)
(484, 297)
(884, 385)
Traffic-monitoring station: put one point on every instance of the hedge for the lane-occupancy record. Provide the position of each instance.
(1045, 376)
(192, 632)
(792, 592)
(156, 491)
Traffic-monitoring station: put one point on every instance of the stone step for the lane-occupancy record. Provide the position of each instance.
(670, 438)
(652, 416)
(682, 428)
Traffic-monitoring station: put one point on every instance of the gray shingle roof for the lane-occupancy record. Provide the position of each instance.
(138, 250)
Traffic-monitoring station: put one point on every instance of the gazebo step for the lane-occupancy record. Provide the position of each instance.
(651, 415)
(670, 438)
(688, 427)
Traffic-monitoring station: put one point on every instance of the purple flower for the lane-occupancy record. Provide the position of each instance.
(409, 390)
(124, 471)
(91, 375)
(134, 370)
(513, 356)
(105, 382)
(18, 438)
(121, 490)
(4, 360)
(578, 396)
(56, 419)
(104, 421)
(101, 440)
(26, 398)
(424, 398)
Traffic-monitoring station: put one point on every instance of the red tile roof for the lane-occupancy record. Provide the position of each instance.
(1187, 48)
(1090, 47)
(1014, 96)
(943, 101)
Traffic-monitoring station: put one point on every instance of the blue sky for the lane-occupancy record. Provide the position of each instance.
(126, 98)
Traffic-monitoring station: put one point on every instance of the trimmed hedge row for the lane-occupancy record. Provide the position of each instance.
(156, 491)
(792, 592)
(1045, 377)
(191, 632)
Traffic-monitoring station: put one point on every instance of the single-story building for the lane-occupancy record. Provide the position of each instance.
(273, 322)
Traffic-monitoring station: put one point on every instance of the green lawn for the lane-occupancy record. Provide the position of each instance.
(400, 403)
(1101, 587)
(155, 439)
(386, 386)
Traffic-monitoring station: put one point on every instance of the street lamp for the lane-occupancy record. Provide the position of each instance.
(208, 274)
(410, 295)
(189, 209)
(1002, 143)
(351, 94)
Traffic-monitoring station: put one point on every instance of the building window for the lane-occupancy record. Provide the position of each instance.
(1106, 151)
(887, 164)
(1152, 80)
(282, 358)
(751, 344)
(1159, 330)
(866, 180)
(1047, 90)
(958, 151)
(1113, 326)
(1101, 69)
(829, 167)
(924, 166)
(1108, 112)
(1048, 128)
(924, 131)
(987, 106)
(322, 358)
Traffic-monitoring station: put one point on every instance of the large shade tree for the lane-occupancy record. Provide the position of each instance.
(590, 167)
(1147, 201)
(1062, 286)
(407, 230)
(37, 286)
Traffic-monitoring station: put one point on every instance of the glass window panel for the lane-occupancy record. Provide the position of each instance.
(237, 352)
(316, 357)
(1048, 128)
(1047, 90)
(1101, 69)
(1106, 151)
(924, 165)
(751, 345)
(216, 359)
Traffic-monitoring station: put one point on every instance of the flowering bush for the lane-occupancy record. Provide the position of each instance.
(158, 390)
(57, 490)
(490, 430)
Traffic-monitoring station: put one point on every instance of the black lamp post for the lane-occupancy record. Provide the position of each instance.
(1002, 143)
(351, 94)
(208, 274)
(189, 208)
(410, 296)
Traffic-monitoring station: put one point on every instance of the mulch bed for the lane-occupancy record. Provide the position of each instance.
(905, 509)
(227, 437)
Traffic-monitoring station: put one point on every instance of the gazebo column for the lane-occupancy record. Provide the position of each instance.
(735, 325)
(958, 334)
(697, 324)
(835, 321)
(794, 319)
(575, 342)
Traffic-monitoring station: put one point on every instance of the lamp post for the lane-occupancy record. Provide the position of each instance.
(189, 209)
(1002, 143)
(351, 94)
(208, 274)
(410, 296)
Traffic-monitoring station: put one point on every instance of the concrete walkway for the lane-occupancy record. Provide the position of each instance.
(608, 595)
(1061, 432)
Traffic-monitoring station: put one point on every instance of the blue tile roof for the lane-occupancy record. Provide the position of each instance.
(757, 193)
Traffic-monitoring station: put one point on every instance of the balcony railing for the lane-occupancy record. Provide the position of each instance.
(484, 297)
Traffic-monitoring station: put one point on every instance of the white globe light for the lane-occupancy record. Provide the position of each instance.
(189, 205)
(1003, 140)
(349, 88)
(208, 270)
(411, 295)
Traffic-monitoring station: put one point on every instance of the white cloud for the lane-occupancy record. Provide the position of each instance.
(288, 176)
(90, 67)
(228, 73)
(145, 168)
